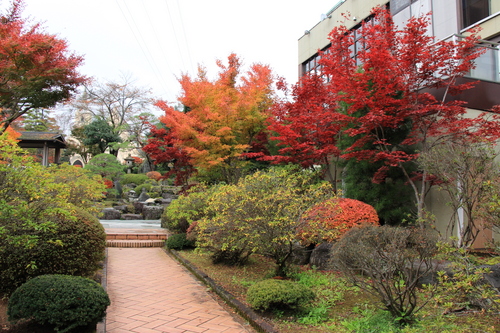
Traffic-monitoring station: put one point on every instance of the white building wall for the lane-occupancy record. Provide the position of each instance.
(445, 20)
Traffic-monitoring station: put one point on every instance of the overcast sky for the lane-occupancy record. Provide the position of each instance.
(155, 41)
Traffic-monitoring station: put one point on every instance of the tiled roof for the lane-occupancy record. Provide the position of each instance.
(37, 139)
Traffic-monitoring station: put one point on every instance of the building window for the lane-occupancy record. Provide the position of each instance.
(474, 11)
(312, 64)
(398, 5)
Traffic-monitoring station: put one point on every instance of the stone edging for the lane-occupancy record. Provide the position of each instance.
(254, 319)
(101, 326)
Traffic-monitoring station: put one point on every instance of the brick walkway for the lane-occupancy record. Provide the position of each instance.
(151, 293)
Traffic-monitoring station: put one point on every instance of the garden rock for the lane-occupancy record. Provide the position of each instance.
(138, 206)
(122, 208)
(143, 196)
(131, 217)
(432, 277)
(152, 212)
(163, 202)
(320, 256)
(301, 254)
(111, 214)
(494, 276)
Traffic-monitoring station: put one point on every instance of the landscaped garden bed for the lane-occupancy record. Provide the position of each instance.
(339, 306)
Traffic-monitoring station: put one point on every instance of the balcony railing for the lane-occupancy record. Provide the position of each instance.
(488, 64)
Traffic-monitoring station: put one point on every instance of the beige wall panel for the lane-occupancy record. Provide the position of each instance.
(317, 39)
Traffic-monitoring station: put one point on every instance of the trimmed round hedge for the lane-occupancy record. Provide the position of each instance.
(274, 293)
(63, 301)
(72, 244)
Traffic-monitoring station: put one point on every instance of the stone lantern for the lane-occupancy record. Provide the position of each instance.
(130, 163)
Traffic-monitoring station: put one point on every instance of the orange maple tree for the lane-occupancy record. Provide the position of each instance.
(330, 219)
(222, 118)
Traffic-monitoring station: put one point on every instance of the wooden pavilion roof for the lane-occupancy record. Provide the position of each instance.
(41, 139)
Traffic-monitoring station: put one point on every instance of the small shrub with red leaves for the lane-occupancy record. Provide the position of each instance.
(330, 219)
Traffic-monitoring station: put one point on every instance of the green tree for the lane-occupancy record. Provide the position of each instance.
(22, 180)
(105, 165)
(391, 198)
(118, 104)
(75, 145)
(100, 133)
(39, 120)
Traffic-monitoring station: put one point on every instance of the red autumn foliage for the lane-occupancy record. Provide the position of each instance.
(137, 160)
(306, 128)
(399, 81)
(162, 149)
(329, 220)
(36, 68)
(108, 183)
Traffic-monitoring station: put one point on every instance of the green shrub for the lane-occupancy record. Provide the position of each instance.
(38, 239)
(178, 242)
(186, 209)
(63, 301)
(147, 186)
(463, 283)
(132, 178)
(274, 293)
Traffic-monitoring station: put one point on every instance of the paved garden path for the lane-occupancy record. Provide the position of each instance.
(150, 292)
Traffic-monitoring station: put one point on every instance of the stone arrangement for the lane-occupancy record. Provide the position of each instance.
(141, 207)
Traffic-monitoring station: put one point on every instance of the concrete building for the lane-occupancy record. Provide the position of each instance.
(449, 19)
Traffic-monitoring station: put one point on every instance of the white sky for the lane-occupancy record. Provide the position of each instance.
(155, 41)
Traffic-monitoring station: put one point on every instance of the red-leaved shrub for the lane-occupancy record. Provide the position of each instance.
(330, 219)
(153, 175)
(108, 183)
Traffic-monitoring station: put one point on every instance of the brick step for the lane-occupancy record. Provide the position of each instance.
(136, 236)
(135, 243)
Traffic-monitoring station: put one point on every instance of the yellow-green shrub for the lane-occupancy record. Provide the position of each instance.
(186, 209)
(260, 214)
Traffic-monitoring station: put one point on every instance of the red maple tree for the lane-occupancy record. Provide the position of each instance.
(36, 68)
(162, 149)
(390, 85)
(305, 128)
